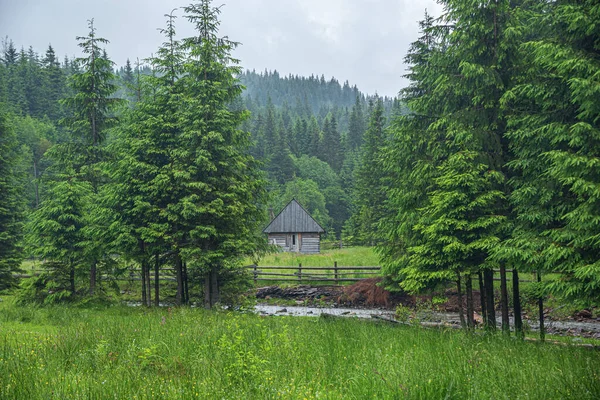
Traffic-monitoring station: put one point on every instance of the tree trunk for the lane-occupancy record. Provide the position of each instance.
(93, 278)
(541, 310)
(461, 313)
(36, 184)
(469, 289)
(72, 277)
(504, 300)
(148, 284)
(488, 277)
(207, 296)
(179, 273)
(144, 295)
(517, 305)
(186, 293)
(214, 283)
(211, 288)
(484, 314)
(156, 286)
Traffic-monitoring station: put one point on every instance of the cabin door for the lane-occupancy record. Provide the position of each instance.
(295, 245)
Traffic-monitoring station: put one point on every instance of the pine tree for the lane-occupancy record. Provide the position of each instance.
(410, 162)
(143, 177)
(11, 212)
(315, 134)
(356, 128)
(10, 53)
(370, 193)
(129, 81)
(331, 146)
(91, 110)
(56, 235)
(281, 166)
(92, 106)
(554, 130)
(54, 84)
(221, 183)
(447, 159)
(465, 218)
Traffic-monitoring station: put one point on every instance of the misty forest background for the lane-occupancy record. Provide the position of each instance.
(488, 159)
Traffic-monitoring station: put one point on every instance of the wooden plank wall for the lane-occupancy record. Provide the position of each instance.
(280, 240)
(310, 243)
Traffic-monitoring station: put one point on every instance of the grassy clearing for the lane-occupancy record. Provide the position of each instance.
(122, 352)
(352, 256)
(348, 257)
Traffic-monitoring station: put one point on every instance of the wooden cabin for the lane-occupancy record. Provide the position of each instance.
(294, 230)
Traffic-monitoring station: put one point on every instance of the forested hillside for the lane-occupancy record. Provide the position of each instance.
(306, 132)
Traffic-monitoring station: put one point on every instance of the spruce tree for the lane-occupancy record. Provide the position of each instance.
(331, 147)
(54, 84)
(91, 112)
(222, 186)
(11, 212)
(55, 234)
(370, 192)
(143, 177)
(554, 130)
(357, 126)
(411, 163)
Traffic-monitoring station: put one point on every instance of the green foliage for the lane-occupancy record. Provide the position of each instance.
(447, 160)
(370, 192)
(47, 288)
(55, 230)
(91, 105)
(553, 131)
(11, 210)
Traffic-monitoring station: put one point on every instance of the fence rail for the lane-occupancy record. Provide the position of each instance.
(334, 273)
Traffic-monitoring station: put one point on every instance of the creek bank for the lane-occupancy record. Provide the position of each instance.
(431, 319)
(367, 299)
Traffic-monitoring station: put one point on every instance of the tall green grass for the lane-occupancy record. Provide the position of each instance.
(348, 257)
(134, 353)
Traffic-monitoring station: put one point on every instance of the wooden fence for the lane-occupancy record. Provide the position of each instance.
(334, 273)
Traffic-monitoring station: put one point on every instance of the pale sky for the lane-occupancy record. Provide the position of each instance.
(362, 41)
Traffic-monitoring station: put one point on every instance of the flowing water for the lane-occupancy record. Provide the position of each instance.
(426, 318)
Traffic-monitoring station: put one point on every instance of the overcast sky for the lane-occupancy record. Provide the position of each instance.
(362, 41)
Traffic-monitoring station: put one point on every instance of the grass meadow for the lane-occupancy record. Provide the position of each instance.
(134, 353)
(347, 257)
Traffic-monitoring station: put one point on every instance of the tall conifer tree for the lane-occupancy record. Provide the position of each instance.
(11, 212)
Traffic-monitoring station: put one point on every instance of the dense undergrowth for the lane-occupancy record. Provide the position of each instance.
(125, 352)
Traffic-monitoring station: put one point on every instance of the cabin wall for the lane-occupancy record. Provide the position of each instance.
(280, 239)
(309, 243)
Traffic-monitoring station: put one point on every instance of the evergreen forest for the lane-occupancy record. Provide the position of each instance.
(488, 160)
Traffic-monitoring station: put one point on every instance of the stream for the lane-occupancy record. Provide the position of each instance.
(576, 328)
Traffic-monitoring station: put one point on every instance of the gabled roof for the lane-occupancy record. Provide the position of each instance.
(293, 219)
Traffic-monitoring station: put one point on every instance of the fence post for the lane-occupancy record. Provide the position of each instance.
(300, 272)
(335, 271)
(255, 275)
